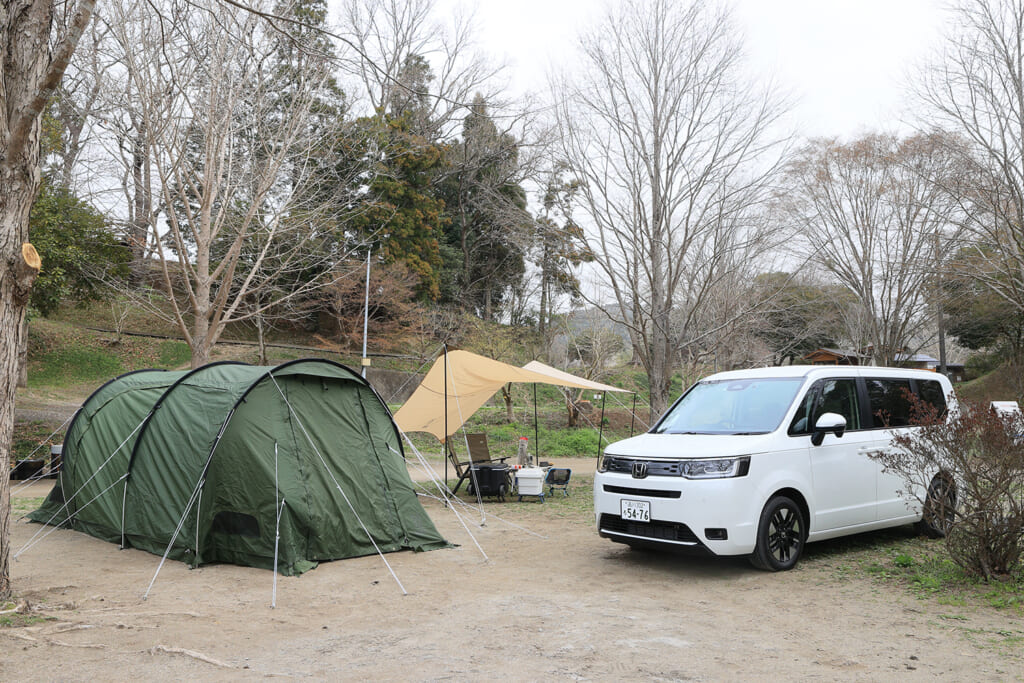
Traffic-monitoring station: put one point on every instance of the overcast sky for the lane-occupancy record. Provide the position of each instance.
(844, 60)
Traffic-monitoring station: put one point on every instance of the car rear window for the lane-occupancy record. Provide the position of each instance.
(931, 393)
(890, 402)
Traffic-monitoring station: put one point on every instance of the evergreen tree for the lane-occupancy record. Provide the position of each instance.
(487, 208)
(561, 247)
(400, 217)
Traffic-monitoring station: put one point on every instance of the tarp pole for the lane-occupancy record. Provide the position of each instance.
(632, 416)
(447, 490)
(536, 430)
(600, 425)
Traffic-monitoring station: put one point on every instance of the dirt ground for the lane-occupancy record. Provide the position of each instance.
(551, 600)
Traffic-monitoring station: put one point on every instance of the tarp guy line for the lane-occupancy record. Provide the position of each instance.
(434, 478)
(443, 489)
(63, 507)
(334, 479)
(39, 475)
(29, 544)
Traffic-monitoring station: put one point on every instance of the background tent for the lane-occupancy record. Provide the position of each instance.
(460, 382)
(213, 457)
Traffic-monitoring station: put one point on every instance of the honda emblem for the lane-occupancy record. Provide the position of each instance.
(639, 470)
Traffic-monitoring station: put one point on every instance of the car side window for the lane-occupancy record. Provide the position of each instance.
(827, 396)
(890, 402)
(839, 396)
(801, 423)
(931, 393)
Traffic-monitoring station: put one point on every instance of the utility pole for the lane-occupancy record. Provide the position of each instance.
(366, 314)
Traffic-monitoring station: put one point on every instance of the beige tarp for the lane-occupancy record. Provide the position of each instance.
(471, 380)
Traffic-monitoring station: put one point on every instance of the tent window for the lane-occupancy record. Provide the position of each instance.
(227, 522)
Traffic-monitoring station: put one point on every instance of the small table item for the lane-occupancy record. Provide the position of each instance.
(530, 482)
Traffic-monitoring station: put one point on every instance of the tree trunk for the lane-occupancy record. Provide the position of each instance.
(18, 185)
(23, 355)
(30, 74)
(142, 208)
(261, 340)
(506, 393)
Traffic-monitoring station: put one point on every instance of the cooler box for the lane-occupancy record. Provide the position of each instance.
(530, 481)
(491, 478)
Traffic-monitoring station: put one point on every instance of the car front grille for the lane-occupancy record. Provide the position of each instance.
(655, 468)
(655, 530)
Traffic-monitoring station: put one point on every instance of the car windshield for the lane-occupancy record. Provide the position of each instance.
(731, 406)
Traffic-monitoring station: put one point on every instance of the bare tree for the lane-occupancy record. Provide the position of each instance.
(871, 213)
(974, 91)
(401, 53)
(36, 43)
(671, 146)
(233, 159)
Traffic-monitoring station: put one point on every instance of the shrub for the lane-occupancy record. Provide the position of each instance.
(967, 473)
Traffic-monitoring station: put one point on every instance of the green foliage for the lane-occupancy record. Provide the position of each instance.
(976, 316)
(486, 214)
(75, 246)
(800, 316)
(402, 219)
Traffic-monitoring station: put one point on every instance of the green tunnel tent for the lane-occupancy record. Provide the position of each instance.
(207, 456)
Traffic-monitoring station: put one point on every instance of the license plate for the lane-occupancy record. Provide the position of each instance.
(636, 510)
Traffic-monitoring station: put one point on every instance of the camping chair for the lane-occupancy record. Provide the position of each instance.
(461, 468)
(558, 478)
(479, 452)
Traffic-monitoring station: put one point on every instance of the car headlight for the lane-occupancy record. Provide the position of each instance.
(718, 468)
(601, 466)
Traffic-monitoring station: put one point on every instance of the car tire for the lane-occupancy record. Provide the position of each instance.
(781, 535)
(939, 509)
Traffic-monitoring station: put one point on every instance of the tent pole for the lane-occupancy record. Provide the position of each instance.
(536, 430)
(632, 416)
(445, 444)
(600, 430)
(277, 528)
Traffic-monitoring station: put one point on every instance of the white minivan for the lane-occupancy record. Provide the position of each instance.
(760, 462)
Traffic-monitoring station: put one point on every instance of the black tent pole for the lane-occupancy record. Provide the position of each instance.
(536, 431)
(600, 431)
(632, 417)
(446, 425)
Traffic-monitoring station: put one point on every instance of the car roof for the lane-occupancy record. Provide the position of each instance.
(816, 371)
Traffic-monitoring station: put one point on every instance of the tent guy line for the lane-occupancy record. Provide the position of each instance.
(344, 495)
(228, 444)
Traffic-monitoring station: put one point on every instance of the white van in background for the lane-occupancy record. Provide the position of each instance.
(760, 462)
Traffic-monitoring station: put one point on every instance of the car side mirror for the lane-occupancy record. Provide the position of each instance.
(828, 422)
